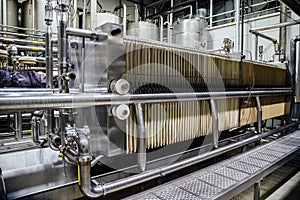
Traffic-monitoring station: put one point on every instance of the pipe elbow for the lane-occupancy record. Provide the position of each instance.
(92, 191)
(295, 39)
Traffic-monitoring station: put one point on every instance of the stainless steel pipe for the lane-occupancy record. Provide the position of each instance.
(264, 28)
(292, 68)
(62, 49)
(18, 125)
(37, 100)
(20, 41)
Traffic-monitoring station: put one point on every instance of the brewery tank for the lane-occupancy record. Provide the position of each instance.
(34, 18)
(191, 32)
(102, 18)
(143, 29)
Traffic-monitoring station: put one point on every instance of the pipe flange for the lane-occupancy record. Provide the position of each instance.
(121, 86)
(121, 112)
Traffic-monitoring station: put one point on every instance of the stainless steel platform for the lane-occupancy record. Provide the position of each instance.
(228, 178)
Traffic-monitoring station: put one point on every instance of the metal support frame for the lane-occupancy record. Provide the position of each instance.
(141, 138)
(256, 31)
(215, 123)
(98, 190)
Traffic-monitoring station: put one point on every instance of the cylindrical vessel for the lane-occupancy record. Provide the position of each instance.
(143, 29)
(34, 18)
(12, 13)
(191, 32)
(102, 18)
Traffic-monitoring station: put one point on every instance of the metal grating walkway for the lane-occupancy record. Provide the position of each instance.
(230, 177)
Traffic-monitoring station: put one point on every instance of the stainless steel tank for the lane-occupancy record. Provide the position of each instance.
(34, 18)
(143, 29)
(102, 18)
(12, 13)
(191, 32)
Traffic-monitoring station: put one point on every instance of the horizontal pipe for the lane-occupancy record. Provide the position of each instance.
(92, 34)
(21, 28)
(79, 32)
(9, 101)
(20, 41)
(265, 36)
(264, 28)
(30, 48)
(22, 35)
(117, 185)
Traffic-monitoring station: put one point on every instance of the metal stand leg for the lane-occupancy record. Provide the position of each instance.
(256, 191)
(215, 123)
(243, 149)
(283, 123)
(2, 187)
(142, 137)
(259, 118)
(18, 125)
(259, 115)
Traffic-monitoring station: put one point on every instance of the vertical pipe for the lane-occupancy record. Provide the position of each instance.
(171, 14)
(237, 26)
(211, 5)
(4, 14)
(161, 28)
(142, 137)
(282, 32)
(18, 125)
(83, 48)
(294, 70)
(142, 8)
(74, 23)
(256, 48)
(136, 13)
(242, 45)
(93, 14)
(215, 123)
(35, 129)
(49, 56)
(124, 19)
(33, 15)
(1, 8)
(49, 65)
(259, 115)
(62, 125)
(62, 48)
